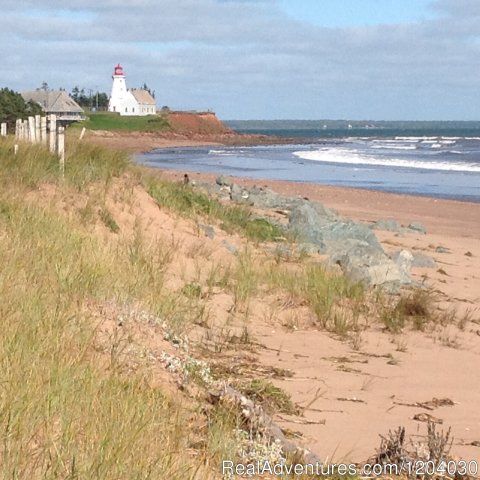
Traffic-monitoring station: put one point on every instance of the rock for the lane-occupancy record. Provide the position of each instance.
(417, 227)
(239, 194)
(354, 247)
(338, 231)
(211, 188)
(208, 230)
(366, 264)
(387, 224)
(423, 261)
(308, 248)
(223, 181)
(441, 249)
(230, 247)
(404, 259)
(307, 224)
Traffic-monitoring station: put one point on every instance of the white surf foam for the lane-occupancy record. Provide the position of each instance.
(395, 147)
(344, 156)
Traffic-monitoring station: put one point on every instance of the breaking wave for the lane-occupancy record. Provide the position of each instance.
(352, 157)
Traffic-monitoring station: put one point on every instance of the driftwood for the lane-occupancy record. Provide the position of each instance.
(429, 405)
(258, 421)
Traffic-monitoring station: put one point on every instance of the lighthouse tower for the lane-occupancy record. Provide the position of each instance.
(121, 100)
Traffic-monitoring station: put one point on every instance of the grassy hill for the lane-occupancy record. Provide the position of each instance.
(115, 122)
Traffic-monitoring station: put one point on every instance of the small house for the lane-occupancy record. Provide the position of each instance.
(58, 102)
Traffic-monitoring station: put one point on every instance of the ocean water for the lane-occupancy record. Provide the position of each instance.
(430, 162)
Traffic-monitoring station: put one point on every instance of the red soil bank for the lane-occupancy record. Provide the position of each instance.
(196, 123)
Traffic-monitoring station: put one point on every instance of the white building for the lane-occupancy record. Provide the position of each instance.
(135, 102)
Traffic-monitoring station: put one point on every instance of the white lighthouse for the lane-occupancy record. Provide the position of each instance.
(122, 100)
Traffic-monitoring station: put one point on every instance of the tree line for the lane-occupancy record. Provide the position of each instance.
(13, 106)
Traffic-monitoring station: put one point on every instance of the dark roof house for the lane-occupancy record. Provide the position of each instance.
(57, 102)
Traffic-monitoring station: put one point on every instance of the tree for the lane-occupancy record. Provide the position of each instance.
(146, 87)
(102, 100)
(13, 107)
(75, 93)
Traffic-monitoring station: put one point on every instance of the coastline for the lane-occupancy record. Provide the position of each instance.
(425, 366)
(441, 216)
(142, 142)
(450, 224)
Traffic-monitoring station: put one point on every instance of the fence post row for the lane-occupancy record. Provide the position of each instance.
(38, 129)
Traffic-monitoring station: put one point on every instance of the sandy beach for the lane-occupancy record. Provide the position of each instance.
(426, 367)
(356, 393)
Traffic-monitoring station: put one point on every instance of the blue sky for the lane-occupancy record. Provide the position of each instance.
(342, 13)
(299, 59)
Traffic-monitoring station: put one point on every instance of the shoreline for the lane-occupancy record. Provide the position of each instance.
(143, 142)
(451, 238)
(440, 214)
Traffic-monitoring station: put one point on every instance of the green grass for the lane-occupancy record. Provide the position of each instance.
(271, 397)
(324, 292)
(70, 409)
(186, 201)
(108, 220)
(115, 122)
(84, 164)
(63, 415)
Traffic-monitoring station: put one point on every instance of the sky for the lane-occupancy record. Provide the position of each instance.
(257, 59)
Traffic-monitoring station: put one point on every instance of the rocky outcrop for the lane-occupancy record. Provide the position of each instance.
(350, 245)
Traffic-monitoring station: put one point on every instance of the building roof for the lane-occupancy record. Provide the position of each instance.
(142, 96)
(53, 101)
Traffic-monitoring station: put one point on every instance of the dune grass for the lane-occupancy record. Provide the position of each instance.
(63, 415)
(69, 409)
(85, 164)
(185, 200)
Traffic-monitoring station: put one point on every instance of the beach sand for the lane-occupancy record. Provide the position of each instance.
(378, 389)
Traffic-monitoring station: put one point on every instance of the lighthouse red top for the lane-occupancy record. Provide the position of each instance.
(118, 70)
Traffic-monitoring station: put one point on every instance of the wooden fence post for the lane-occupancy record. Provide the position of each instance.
(3, 129)
(61, 148)
(38, 132)
(43, 130)
(18, 126)
(53, 132)
(26, 130)
(31, 129)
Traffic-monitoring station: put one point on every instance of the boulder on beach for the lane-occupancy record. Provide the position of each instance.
(352, 246)
(365, 264)
(387, 224)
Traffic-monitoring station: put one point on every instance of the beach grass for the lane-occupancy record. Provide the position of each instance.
(70, 408)
(187, 201)
(85, 164)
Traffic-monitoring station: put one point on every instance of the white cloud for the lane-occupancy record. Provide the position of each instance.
(246, 58)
